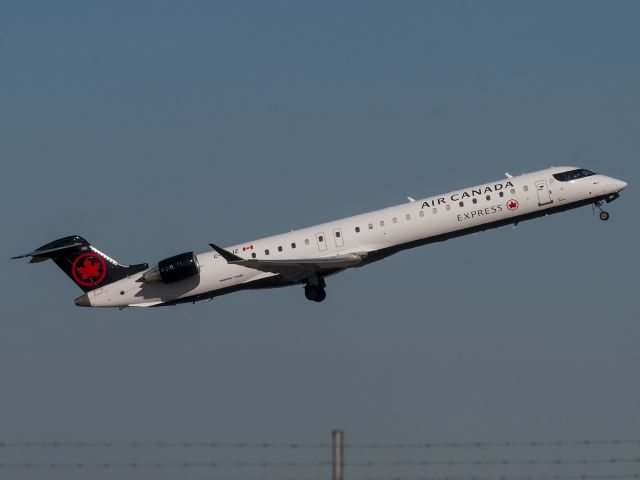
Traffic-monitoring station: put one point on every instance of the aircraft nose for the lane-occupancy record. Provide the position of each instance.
(622, 185)
(83, 301)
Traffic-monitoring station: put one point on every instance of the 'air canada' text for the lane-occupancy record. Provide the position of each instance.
(458, 196)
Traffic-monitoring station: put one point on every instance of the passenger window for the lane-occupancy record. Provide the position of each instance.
(434, 210)
(395, 220)
(501, 194)
(306, 241)
(371, 226)
(357, 229)
(320, 238)
(513, 191)
(253, 255)
(448, 207)
(293, 245)
(337, 234)
(266, 252)
(280, 249)
(382, 223)
(407, 216)
(474, 201)
(461, 204)
(488, 197)
(421, 213)
(526, 188)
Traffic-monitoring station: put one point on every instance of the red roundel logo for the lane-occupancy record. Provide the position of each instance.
(513, 204)
(89, 269)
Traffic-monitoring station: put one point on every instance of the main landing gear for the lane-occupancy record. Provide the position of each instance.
(315, 294)
(604, 216)
(314, 289)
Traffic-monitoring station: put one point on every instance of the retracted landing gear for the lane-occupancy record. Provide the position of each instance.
(314, 289)
(604, 216)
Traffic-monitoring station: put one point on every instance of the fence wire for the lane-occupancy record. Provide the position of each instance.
(320, 463)
(284, 445)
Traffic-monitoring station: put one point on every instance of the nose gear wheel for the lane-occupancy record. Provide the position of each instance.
(604, 216)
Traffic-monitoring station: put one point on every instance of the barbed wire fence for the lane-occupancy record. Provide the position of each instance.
(595, 459)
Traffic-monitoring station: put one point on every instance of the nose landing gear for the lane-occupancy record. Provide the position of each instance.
(604, 216)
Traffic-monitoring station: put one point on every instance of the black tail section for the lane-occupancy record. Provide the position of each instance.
(88, 267)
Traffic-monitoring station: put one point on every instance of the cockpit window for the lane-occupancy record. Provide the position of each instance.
(573, 175)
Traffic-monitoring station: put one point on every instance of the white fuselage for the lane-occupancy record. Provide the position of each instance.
(378, 233)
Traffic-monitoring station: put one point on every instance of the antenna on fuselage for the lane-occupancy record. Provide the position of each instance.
(411, 199)
(508, 175)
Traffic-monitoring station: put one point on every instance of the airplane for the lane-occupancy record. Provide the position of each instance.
(310, 255)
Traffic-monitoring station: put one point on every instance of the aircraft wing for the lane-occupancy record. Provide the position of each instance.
(298, 269)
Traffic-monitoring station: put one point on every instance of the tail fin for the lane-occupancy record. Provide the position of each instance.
(87, 266)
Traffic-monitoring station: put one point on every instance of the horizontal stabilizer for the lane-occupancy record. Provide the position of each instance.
(46, 253)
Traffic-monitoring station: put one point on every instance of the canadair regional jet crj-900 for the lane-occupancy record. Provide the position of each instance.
(310, 255)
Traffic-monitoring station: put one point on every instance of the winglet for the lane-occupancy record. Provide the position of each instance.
(228, 256)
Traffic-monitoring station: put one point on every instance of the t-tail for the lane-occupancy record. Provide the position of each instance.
(87, 266)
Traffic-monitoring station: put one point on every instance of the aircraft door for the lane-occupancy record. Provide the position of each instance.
(337, 236)
(321, 241)
(544, 194)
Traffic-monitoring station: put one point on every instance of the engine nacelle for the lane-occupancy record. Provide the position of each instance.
(173, 269)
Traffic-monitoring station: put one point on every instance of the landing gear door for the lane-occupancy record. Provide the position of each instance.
(337, 236)
(544, 194)
(321, 241)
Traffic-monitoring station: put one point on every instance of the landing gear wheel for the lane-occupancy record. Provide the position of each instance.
(314, 293)
(604, 216)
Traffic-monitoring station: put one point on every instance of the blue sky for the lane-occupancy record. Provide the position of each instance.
(153, 128)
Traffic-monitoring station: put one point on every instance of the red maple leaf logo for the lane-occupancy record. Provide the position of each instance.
(89, 269)
(512, 204)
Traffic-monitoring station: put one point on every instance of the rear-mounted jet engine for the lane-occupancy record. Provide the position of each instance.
(173, 269)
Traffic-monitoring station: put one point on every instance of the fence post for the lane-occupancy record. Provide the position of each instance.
(337, 437)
